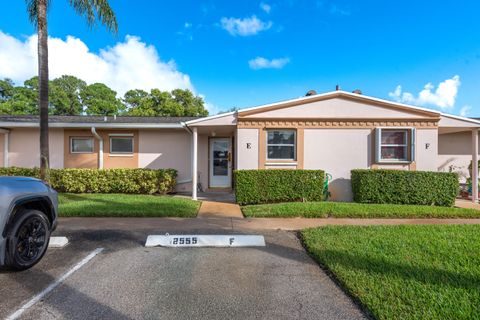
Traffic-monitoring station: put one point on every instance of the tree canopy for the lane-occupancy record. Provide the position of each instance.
(69, 95)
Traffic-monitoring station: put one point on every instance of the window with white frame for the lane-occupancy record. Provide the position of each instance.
(121, 144)
(81, 145)
(395, 145)
(281, 145)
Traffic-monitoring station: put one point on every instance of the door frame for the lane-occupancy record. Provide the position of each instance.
(232, 163)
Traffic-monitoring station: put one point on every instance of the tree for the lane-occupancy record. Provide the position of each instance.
(192, 106)
(91, 10)
(133, 99)
(6, 89)
(19, 100)
(65, 95)
(178, 103)
(100, 100)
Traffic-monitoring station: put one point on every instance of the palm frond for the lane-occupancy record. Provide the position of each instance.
(32, 10)
(94, 10)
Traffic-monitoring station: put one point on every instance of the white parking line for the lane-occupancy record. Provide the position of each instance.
(53, 285)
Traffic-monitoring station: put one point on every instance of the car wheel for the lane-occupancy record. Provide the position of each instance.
(28, 239)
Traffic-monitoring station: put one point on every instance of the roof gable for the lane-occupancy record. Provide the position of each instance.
(337, 104)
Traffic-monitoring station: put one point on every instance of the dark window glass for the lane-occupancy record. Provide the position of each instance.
(281, 137)
(393, 137)
(394, 153)
(284, 152)
(82, 145)
(281, 144)
(121, 145)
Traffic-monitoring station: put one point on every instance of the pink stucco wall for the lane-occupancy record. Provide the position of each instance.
(24, 148)
(167, 149)
(455, 153)
(338, 151)
(336, 108)
(2, 137)
(247, 149)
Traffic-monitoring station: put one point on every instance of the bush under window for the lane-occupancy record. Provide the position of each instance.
(404, 187)
(139, 181)
(283, 185)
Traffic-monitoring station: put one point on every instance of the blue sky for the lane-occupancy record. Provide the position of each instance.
(247, 53)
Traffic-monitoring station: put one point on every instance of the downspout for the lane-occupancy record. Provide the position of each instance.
(100, 151)
(6, 134)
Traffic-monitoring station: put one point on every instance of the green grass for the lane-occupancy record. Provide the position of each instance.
(125, 205)
(354, 210)
(404, 272)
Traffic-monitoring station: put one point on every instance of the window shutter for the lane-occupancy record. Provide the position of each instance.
(378, 135)
(412, 144)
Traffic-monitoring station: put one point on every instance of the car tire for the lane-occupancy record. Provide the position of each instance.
(27, 239)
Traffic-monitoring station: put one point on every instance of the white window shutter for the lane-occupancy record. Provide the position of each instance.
(412, 144)
(378, 136)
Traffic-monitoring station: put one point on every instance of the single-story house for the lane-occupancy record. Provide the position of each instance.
(335, 131)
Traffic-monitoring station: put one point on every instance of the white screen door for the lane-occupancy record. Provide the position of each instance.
(220, 163)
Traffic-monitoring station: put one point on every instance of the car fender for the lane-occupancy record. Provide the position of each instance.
(24, 199)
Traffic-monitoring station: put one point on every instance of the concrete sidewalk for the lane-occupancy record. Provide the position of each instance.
(217, 224)
(213, 209)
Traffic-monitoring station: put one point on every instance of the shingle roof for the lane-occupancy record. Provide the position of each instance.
(96, 119)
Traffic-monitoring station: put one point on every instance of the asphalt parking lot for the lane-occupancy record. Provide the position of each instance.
(129, 281)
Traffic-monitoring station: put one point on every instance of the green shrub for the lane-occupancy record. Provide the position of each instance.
(405, 187)
(139, 181)
(269, 186)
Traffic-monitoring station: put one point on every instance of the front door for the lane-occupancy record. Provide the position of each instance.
(220, 163)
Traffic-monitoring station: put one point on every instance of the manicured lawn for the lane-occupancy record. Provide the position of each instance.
(354, 210)
(125, 205)
(404, 272)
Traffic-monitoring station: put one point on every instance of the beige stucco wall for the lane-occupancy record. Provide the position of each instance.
(2, 139)
(247, 149)
(202, 165)
(337, 151)
(454, 153)
(426, 149)
(167, 149)
(24, 149)
(336, 108)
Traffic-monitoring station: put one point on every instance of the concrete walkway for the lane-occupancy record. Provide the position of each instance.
(468, 204)
(225, 224)
(211, 209)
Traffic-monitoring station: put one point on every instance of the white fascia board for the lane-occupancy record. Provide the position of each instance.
(96, 125)
(345, 93)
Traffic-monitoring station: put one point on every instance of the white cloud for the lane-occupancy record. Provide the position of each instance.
(443, 96)
(131, 64)
(262, 63)
(465, 110)
(265, 7)
(244, 27)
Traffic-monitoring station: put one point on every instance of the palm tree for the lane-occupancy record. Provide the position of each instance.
(91, 10)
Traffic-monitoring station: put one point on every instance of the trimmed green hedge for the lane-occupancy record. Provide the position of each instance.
(140, 181)
(269, 186)
(405, 187)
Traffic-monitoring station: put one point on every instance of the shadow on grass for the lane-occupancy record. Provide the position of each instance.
(426, 275)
